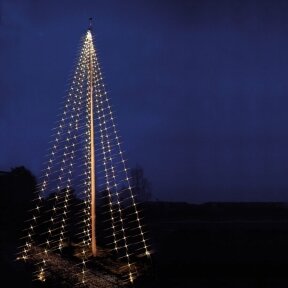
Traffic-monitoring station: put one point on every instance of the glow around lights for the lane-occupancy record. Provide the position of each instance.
(89, 35)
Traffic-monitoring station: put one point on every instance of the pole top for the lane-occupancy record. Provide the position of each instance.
(90, 23)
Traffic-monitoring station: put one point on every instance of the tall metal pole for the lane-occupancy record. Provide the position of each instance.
(92, 151)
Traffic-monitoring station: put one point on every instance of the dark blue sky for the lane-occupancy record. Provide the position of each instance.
(199, 89)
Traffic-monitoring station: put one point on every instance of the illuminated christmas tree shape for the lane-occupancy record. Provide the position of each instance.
(85, 160)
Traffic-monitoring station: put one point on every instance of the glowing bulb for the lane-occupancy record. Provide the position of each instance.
(89, 35)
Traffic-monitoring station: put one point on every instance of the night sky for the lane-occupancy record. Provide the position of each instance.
(199, 89)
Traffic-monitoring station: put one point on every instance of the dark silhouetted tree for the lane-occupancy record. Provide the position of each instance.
(17, 189)
(140, 184)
